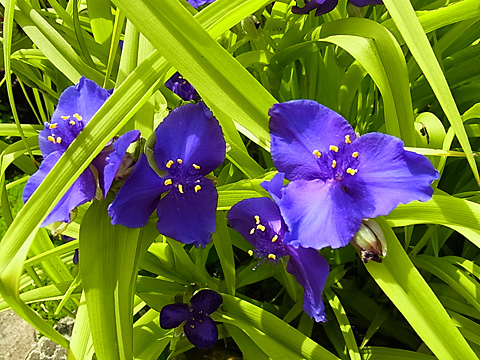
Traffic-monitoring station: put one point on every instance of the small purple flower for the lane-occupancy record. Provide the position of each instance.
(181, 87)
(337, 179)
(76, 107)
(260, 222)
(198, 326)
(189, 145)
(325, 6)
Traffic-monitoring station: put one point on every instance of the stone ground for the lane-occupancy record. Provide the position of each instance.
(19, 340)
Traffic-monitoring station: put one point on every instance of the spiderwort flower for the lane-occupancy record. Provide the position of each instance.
(325, 6)
(198, 326)
(189, 145)
(337, 179)
(260, 222)
(181, 87)
(76, 107)
(197, 3)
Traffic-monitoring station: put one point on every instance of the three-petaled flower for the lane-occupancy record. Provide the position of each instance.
(198, 326)
(76, 107)
(260, 222)
(325, 6)
(189, 145)
(337, 179)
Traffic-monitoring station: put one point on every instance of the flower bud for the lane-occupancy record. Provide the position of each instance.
(370, 241)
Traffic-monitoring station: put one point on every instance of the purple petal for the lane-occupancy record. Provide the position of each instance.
(76, 257)
(189, 217)
(311, 271)
(138, 197)
(388, 175)
(181, 87)
(361, 3)
(109, 161)
(192, 134)
(319, 214)
(198, 3)
(81, 191)
(299, 130)
(322, 6)
(201, 332)
(274, 186)
(206, 300)
(173, 315)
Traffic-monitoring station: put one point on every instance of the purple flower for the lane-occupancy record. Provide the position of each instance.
(181, 87)
(189, 145)
(325, 6)
(197, 3)
(337, 179)
(76, 107)
(198, 326)
(260, 222)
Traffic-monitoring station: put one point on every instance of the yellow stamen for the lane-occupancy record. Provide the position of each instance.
(252, 231)
(355, 154)
(71, 122)
(167, 182)
(53, 126)
(59, 140)
(51, 139)
(66, 117)
(250, 252)
(261, 227)
(347, 139)
(180, 188)
(334, 164)
(333, 148)
(77, 116)
(196, 167)
(352, 171)
(197, 188)
(272, 256)
(275, 238)
(179, 161)
(169, 164)
(317, 153)
(184, 82)
(257, 219)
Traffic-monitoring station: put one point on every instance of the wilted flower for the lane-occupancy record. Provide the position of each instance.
(260, 222)
(325, 6)
(76, 107)
(336, 178)
(198, 326)
(189, 145)
(181, 87)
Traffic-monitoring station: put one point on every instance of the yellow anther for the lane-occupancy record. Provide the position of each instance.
(59, 140)
(272, 256)
(169, 164)
(196, 167)
(51, 139)
(275, 238)
(317, 153)
(197, 188)
(77, 116)
(167, 182)
(180, 76)
(333, 148)
(180, 188)
(252, 231)
(257, 219)
(53, 126)
(347, 139)
(192, 326)
(179, 161)
(355, 154)
(334, 164)
(352, 171)
(65, 117)
(71, 122)
(261, 227)
(184, 82)
(250, 252)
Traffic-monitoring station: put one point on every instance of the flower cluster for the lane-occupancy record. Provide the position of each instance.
(325, 6)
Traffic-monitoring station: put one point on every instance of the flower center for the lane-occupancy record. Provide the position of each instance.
(182, 177)
(269, 243)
